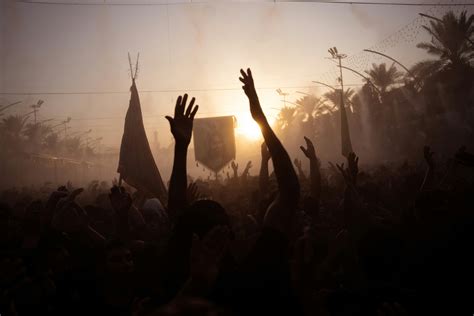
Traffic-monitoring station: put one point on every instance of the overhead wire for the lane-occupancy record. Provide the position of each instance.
(373, 3)
(158, 91)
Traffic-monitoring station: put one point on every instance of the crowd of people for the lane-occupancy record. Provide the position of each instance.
(386, 240)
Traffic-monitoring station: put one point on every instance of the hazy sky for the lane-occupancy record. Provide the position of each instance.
(192, 46)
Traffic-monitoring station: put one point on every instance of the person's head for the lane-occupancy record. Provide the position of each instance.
(58, 260)
(156, 219)
(118, 259)
(200, 217)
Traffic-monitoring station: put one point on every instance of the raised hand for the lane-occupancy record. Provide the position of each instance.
(265, 153)
(309, 151)
(181, 128)
(247, 168)
(182, 123)
(350, 173)
(249, 89)
(235, 166)
(297, 163)
(193, 193)
(339, 168)
(281, 210)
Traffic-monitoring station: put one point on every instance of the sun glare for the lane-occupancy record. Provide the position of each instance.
(248, 128)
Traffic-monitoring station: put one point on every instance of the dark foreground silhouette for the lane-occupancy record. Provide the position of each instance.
(391, 240)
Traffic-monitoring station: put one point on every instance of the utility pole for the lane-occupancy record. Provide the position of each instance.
(36, 108)
(346, 145)
(283, 94)
(65, 122)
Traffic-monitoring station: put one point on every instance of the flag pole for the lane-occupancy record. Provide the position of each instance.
(131, 67)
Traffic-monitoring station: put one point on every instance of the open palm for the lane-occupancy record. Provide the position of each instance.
(249, 89)
(182, 123)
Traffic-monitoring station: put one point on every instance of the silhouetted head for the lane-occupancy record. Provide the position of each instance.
(200, 217)
(118, 260)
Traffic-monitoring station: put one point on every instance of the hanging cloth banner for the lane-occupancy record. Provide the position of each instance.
(136, 164)
(214, 141)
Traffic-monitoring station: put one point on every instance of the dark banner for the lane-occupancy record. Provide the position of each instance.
(214, 141)
(136, 165)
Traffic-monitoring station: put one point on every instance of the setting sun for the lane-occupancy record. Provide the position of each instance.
(248, 128)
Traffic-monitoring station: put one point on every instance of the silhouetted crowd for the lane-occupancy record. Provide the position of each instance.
(339, 240)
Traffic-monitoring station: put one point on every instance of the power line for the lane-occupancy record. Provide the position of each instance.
(228, 111)
(160, 91)
(233, 1)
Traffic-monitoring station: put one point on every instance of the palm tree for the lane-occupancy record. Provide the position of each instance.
(382, 77)
(306, 106)
(72, 146)
(334, 97)
(286, 116)
(311, 106)
(11, 128)
(13, 125)
(51, 142)
(36, 132)
(449, 42)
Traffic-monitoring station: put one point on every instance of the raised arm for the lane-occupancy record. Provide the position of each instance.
(235, 169)
(263, 177)
(181, 127)
(350, 194)
(314, 170)
(245, 174)
(281, 210)
(299, 166)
